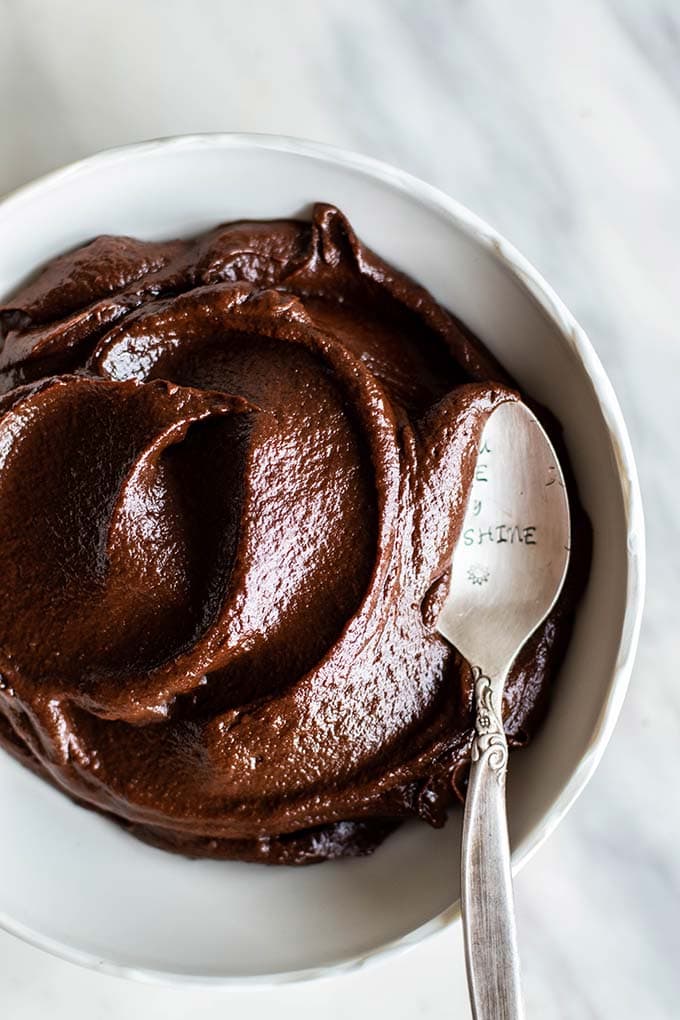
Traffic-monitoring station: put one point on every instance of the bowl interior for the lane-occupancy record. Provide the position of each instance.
(73, 882)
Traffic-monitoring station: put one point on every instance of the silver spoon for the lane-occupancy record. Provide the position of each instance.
(507, 571)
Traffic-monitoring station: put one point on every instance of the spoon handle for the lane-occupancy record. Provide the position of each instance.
(491, 954)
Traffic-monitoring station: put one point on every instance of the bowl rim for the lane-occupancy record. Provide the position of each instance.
(542, 294)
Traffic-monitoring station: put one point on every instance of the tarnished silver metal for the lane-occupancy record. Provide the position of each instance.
(508, 569)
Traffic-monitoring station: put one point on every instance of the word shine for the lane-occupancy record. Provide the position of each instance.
(512, 533)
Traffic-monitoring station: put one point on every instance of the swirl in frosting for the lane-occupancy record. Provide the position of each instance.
(232, 474)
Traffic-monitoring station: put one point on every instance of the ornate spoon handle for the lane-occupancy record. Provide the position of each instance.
(491, 952)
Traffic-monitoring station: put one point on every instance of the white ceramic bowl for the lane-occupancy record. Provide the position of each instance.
(72, 882)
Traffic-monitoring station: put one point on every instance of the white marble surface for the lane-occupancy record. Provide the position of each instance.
(560, 124)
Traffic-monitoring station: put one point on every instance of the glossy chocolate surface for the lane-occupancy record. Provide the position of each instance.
(232, 473)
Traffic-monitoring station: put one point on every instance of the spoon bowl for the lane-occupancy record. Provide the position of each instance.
(512, 556)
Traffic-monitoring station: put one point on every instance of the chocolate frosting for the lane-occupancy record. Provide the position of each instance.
(232, 474)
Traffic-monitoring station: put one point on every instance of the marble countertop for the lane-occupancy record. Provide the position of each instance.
(560, 124)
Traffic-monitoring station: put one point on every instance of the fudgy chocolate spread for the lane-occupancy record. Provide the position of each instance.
(232, 474)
